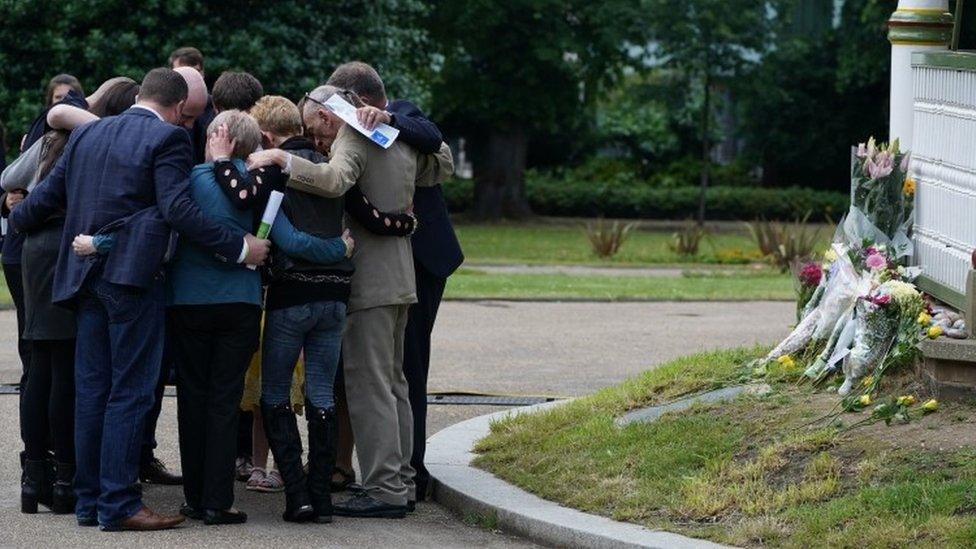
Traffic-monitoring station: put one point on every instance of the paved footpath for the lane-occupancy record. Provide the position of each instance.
(561, 349)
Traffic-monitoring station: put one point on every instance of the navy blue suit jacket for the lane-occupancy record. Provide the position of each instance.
(111, 169)
(435, 245)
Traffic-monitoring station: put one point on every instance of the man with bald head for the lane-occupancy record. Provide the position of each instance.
(196, 98)
(192, 58)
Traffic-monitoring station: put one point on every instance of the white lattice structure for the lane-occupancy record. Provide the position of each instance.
(944, 168)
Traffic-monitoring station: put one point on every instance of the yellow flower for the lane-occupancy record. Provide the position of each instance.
(786, 361)
(909, 187)
(924, 319)
(867, 381)
(906, 400)
(935, 331)
(830, 256)
(865, 400)
(930, 405)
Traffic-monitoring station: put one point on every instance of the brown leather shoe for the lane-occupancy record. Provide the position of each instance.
(147, 519)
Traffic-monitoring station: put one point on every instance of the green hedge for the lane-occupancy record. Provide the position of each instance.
(570, 198)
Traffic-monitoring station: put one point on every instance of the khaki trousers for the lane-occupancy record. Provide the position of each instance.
(379, 403)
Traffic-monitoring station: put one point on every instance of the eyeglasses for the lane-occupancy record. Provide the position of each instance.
(301, 107)
(308, 97)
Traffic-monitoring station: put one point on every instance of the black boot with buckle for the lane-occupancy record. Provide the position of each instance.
(281, 429)
(322, 442)
(63, 492)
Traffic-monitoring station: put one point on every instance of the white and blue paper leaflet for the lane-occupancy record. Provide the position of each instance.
(382, 135)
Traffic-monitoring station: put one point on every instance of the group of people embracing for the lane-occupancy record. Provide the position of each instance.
(136, 208)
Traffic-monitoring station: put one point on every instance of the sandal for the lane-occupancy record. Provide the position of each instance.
(272, 482)
(347, 478)
(257, 477)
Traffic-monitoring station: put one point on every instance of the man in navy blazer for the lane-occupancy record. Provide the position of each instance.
(436, 255)
(111, 169)
(436, 251)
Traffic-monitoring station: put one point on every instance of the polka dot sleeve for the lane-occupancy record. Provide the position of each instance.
(251, 189)
(375, 221)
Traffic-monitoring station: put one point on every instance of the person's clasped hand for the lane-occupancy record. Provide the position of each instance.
(267, 157)
(349, 241)
(370, 116)
(14, 198)
(257, 250)
(83, 245)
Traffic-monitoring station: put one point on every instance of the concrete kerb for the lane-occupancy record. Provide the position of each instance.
(467, 490)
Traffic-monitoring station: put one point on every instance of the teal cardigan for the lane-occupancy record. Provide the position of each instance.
(195, 277)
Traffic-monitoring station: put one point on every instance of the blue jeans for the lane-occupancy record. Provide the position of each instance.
(316, 328)
(117, 365)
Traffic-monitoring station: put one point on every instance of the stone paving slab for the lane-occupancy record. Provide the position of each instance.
(651, 413)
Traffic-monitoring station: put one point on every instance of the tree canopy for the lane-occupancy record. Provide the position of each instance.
(525, 71)
(290, 45)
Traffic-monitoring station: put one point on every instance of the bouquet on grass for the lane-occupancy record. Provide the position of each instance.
(858, 311)
(807, 276)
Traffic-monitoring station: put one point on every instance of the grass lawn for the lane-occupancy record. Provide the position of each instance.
(6, 302)
(555, 244)
(475, 284)
(751, 471)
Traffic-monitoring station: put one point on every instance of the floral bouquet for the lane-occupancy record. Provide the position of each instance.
(806, 281)
(887, 329)
(880, 186)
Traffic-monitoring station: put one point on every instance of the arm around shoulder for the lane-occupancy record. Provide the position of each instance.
(334, 178)
(68, 117)
(323, 251)
(434, 169)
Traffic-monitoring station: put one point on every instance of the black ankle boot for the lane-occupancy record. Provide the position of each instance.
(63, 492)
(35, 487)
(281, 429)
(322, 441)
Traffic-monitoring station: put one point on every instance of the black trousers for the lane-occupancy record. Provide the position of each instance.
(212, 345)
(416, 364)
(47, 412)
(13, 274)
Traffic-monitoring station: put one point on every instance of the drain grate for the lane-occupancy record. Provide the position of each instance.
(451, 399)
(486, 400)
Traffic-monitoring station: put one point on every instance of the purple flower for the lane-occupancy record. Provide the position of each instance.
(862, 150)
(880, 166)
(882, 299)
(876, 261)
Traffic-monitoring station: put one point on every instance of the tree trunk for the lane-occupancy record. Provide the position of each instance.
(706, 149)
(499, 177)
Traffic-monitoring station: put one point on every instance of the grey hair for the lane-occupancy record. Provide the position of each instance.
(322, 94)
(240, 126)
